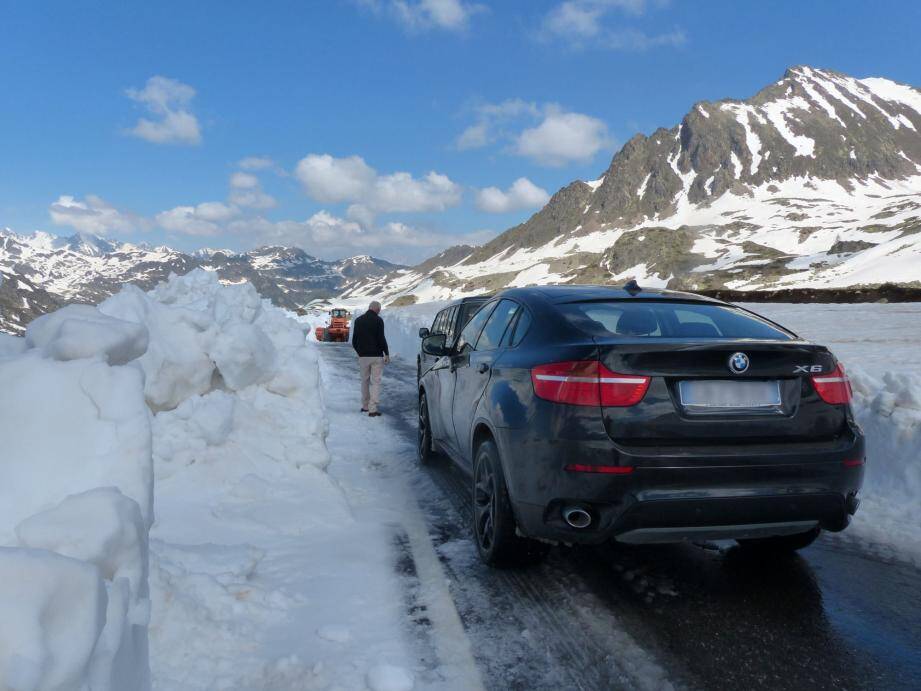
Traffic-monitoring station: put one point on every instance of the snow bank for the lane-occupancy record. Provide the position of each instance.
(82, 331)
(76, 504)
(200, 330)
(78, 396)
(11, 345)
(889, 411)
(402, 324)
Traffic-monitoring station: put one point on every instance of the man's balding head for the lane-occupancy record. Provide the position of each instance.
(375, 307)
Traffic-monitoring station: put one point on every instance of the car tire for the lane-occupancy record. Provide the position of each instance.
(494, 527)
(418, 369)
(425, 448)
(782, 543)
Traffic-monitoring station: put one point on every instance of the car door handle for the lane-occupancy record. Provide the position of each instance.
(483, 368)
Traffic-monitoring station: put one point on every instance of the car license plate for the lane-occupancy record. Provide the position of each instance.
(716, 395)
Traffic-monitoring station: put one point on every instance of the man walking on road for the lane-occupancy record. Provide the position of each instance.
(369, 342)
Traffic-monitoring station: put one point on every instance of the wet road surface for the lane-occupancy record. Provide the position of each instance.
(698, 616)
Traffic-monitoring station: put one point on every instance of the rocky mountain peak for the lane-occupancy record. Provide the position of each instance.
(741, 193)
(42, 271)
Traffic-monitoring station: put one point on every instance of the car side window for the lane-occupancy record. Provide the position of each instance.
(495, 327)
(467, 310)
(450, 323)
(471, 332)
(521, 328)
(436, 325)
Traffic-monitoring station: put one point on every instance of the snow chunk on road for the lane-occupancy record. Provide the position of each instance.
(82, 331)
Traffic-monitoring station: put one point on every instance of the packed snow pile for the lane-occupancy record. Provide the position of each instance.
(91, 397)
(402, 324)
(889, 411)
(76, 505)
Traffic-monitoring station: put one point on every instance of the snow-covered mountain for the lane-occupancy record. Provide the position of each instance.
(40, 272)
(813, 182)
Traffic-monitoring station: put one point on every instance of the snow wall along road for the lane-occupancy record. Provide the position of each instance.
(78, 396)
(878, 345)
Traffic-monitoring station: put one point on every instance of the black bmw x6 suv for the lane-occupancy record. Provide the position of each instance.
(586, 414)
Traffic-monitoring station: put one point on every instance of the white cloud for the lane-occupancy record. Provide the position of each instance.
(333, 180)
(523, 194)
(554, 136)
(423, 15)
(244, 181)
(563, 137)
(94, 215)
(474, 137)
(205, 219)
(256, 163)
(216, 212)
(360, 214)
(329, 236)
(491, 117)
(585, 24)
(402, 192)
(246, 190)
(168, 101)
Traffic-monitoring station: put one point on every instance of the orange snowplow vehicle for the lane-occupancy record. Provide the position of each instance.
(337, 331)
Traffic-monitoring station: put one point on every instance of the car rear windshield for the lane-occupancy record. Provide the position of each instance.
(668, 320)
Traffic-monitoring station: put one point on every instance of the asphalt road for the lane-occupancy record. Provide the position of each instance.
(697, 616)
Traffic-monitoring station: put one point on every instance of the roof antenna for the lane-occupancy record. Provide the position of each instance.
(632, 287)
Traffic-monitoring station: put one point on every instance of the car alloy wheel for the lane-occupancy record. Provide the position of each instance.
(424, 448)
(484, 500)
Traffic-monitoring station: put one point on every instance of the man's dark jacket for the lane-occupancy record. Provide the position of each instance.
(368, 336)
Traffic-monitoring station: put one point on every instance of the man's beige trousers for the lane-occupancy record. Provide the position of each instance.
(371, 370)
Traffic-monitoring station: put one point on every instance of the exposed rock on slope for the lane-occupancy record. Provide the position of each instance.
(40, 272)
(813, 182)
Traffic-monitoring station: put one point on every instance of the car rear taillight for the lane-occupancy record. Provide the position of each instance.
(587, 382)
(835, 387)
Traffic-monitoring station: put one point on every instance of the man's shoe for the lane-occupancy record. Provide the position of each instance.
(364, 410)
(374, 414)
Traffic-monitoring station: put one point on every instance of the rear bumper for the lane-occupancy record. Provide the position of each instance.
(676, 494)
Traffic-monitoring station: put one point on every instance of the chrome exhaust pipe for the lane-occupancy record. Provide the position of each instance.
(577, 517)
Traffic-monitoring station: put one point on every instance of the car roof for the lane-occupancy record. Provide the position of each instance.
(466, 300)
(579, 293)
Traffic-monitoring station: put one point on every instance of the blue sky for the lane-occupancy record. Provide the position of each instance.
(389, 127)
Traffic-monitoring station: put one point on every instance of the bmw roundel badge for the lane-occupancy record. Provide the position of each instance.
(738, 363)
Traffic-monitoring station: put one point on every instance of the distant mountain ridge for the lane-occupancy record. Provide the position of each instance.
(813, 182)
(40, 272)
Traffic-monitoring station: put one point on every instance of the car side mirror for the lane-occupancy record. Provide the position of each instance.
(435, 345)
(423, 332)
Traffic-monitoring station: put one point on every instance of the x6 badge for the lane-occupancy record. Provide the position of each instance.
(806, 369)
